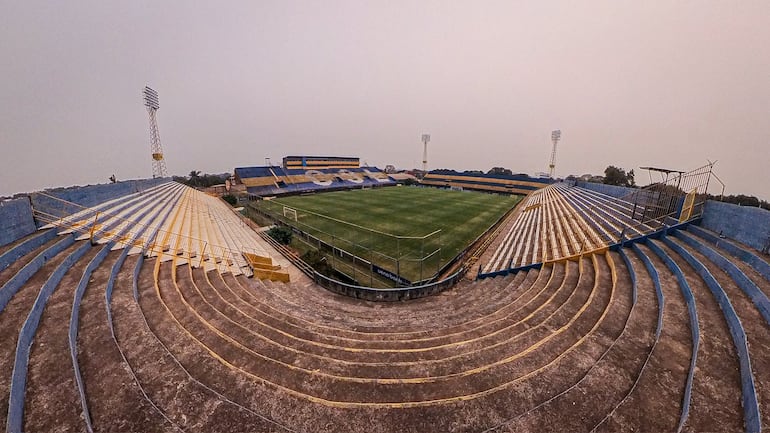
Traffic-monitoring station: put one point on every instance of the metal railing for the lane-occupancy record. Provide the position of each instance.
(412, 259)
(653, 208)
(364, 292)
(394, 294)
(666, 197)
(197, 251)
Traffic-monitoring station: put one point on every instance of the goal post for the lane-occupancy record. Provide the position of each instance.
(365, 253)
(290, 213)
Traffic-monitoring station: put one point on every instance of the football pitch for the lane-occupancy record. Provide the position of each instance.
(409, 231)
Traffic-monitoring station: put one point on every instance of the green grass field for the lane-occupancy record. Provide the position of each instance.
(386, 225)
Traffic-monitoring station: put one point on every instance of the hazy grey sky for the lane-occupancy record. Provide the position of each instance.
(630, 83)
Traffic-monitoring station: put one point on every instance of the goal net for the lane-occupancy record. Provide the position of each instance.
(289, 213)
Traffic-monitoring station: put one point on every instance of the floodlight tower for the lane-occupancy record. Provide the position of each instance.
(425, 140)
(158, 163)
(555, 136)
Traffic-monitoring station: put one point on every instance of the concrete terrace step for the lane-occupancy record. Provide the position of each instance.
(558, 222)
(667, 333)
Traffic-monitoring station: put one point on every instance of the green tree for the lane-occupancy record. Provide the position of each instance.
(230, 199)
(317, 261)
(500, 170)
(617, 176)
(281, 234)
(197, 180)
(194, 178)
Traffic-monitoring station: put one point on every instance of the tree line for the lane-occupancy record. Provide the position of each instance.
(197, 180)
(617, 176)
(620, 177)
(742, 200)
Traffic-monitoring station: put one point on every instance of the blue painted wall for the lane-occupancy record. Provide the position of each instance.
(749, 225)
(16, 220)
(88, 196)
(615, 191)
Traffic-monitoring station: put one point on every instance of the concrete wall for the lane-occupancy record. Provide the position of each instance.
(749, 225)
(87, 196)
(615, 191)
(16, 220)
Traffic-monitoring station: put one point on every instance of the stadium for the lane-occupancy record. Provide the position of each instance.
(467, 303)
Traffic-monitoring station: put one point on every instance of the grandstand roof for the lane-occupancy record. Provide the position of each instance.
(319, 157)
(521, 177)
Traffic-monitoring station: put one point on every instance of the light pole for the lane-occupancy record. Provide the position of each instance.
(152, 104)
(425, 140)
(555, 136)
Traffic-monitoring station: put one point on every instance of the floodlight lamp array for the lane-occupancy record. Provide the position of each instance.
(151, 98)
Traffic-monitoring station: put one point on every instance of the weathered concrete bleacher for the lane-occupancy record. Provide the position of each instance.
(200, 229)
(667, 331)
(498, 183)
(562, 222)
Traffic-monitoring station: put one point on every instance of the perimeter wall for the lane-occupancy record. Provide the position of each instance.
(16, 220)
(16, 216)
(746, 224)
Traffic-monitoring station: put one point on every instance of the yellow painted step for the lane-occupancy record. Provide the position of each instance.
(272, 275)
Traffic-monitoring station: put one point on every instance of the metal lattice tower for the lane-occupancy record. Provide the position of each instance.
(158, 163)
(425, 140)
(555, 136)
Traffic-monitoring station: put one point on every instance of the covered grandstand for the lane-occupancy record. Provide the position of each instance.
(320, 162)
(305, 174)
